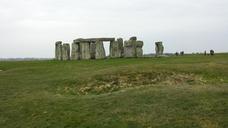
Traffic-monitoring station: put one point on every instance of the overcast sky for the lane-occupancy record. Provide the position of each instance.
(30, 28)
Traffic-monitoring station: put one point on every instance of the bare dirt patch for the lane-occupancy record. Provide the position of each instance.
(113, 82)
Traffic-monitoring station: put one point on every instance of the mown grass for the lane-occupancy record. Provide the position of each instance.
(174, 92)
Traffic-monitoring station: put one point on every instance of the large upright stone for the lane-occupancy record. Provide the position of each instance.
(93, 50)
(58, 50)
(85, 50)
(212, 52)
(116, 48)
(159, 48)
(75, 53)
(139, 50)
(129, 48)
(66, 52)
(100, 51)
(133, 48)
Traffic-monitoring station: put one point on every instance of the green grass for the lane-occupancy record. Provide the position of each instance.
(174, 92)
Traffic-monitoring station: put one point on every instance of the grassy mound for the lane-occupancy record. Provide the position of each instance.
(107, 83)
(187, 91)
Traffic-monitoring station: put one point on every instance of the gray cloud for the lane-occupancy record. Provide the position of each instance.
(29, 28)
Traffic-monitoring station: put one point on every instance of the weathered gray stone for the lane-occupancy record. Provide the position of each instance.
(75, 51)
(205, 53)
(159, 48)
(93, 50)
(94, 39)
(139, 50)
(182, 53)
(58, 50)
(212, 52)
(133, 48)
(100, 51)
(66, 51)
(133, 38)
(177, 53)
(129, 48)
(85, 50)
(116, 48)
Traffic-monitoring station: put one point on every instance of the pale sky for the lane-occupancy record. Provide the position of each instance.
(30, 28)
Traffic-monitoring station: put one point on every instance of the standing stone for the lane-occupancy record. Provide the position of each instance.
(121, 46)
(133, 48)
(100, 51)
(212, 52)
(75, 54)
(93, 50)
(129, 48)
(139, 50)
(66, 52)
(177, 53)
(85, 50)
(205, 53)
(116, 48)
(159, 48)
(182, 53)
(58, 50)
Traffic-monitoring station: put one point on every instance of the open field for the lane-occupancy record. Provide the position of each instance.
(175, 92)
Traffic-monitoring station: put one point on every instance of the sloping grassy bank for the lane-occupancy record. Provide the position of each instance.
(189, 91)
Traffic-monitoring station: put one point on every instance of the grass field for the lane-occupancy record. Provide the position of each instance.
(174, 92)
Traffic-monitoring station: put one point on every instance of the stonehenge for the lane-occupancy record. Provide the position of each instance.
(159, 48)
(93, 48)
